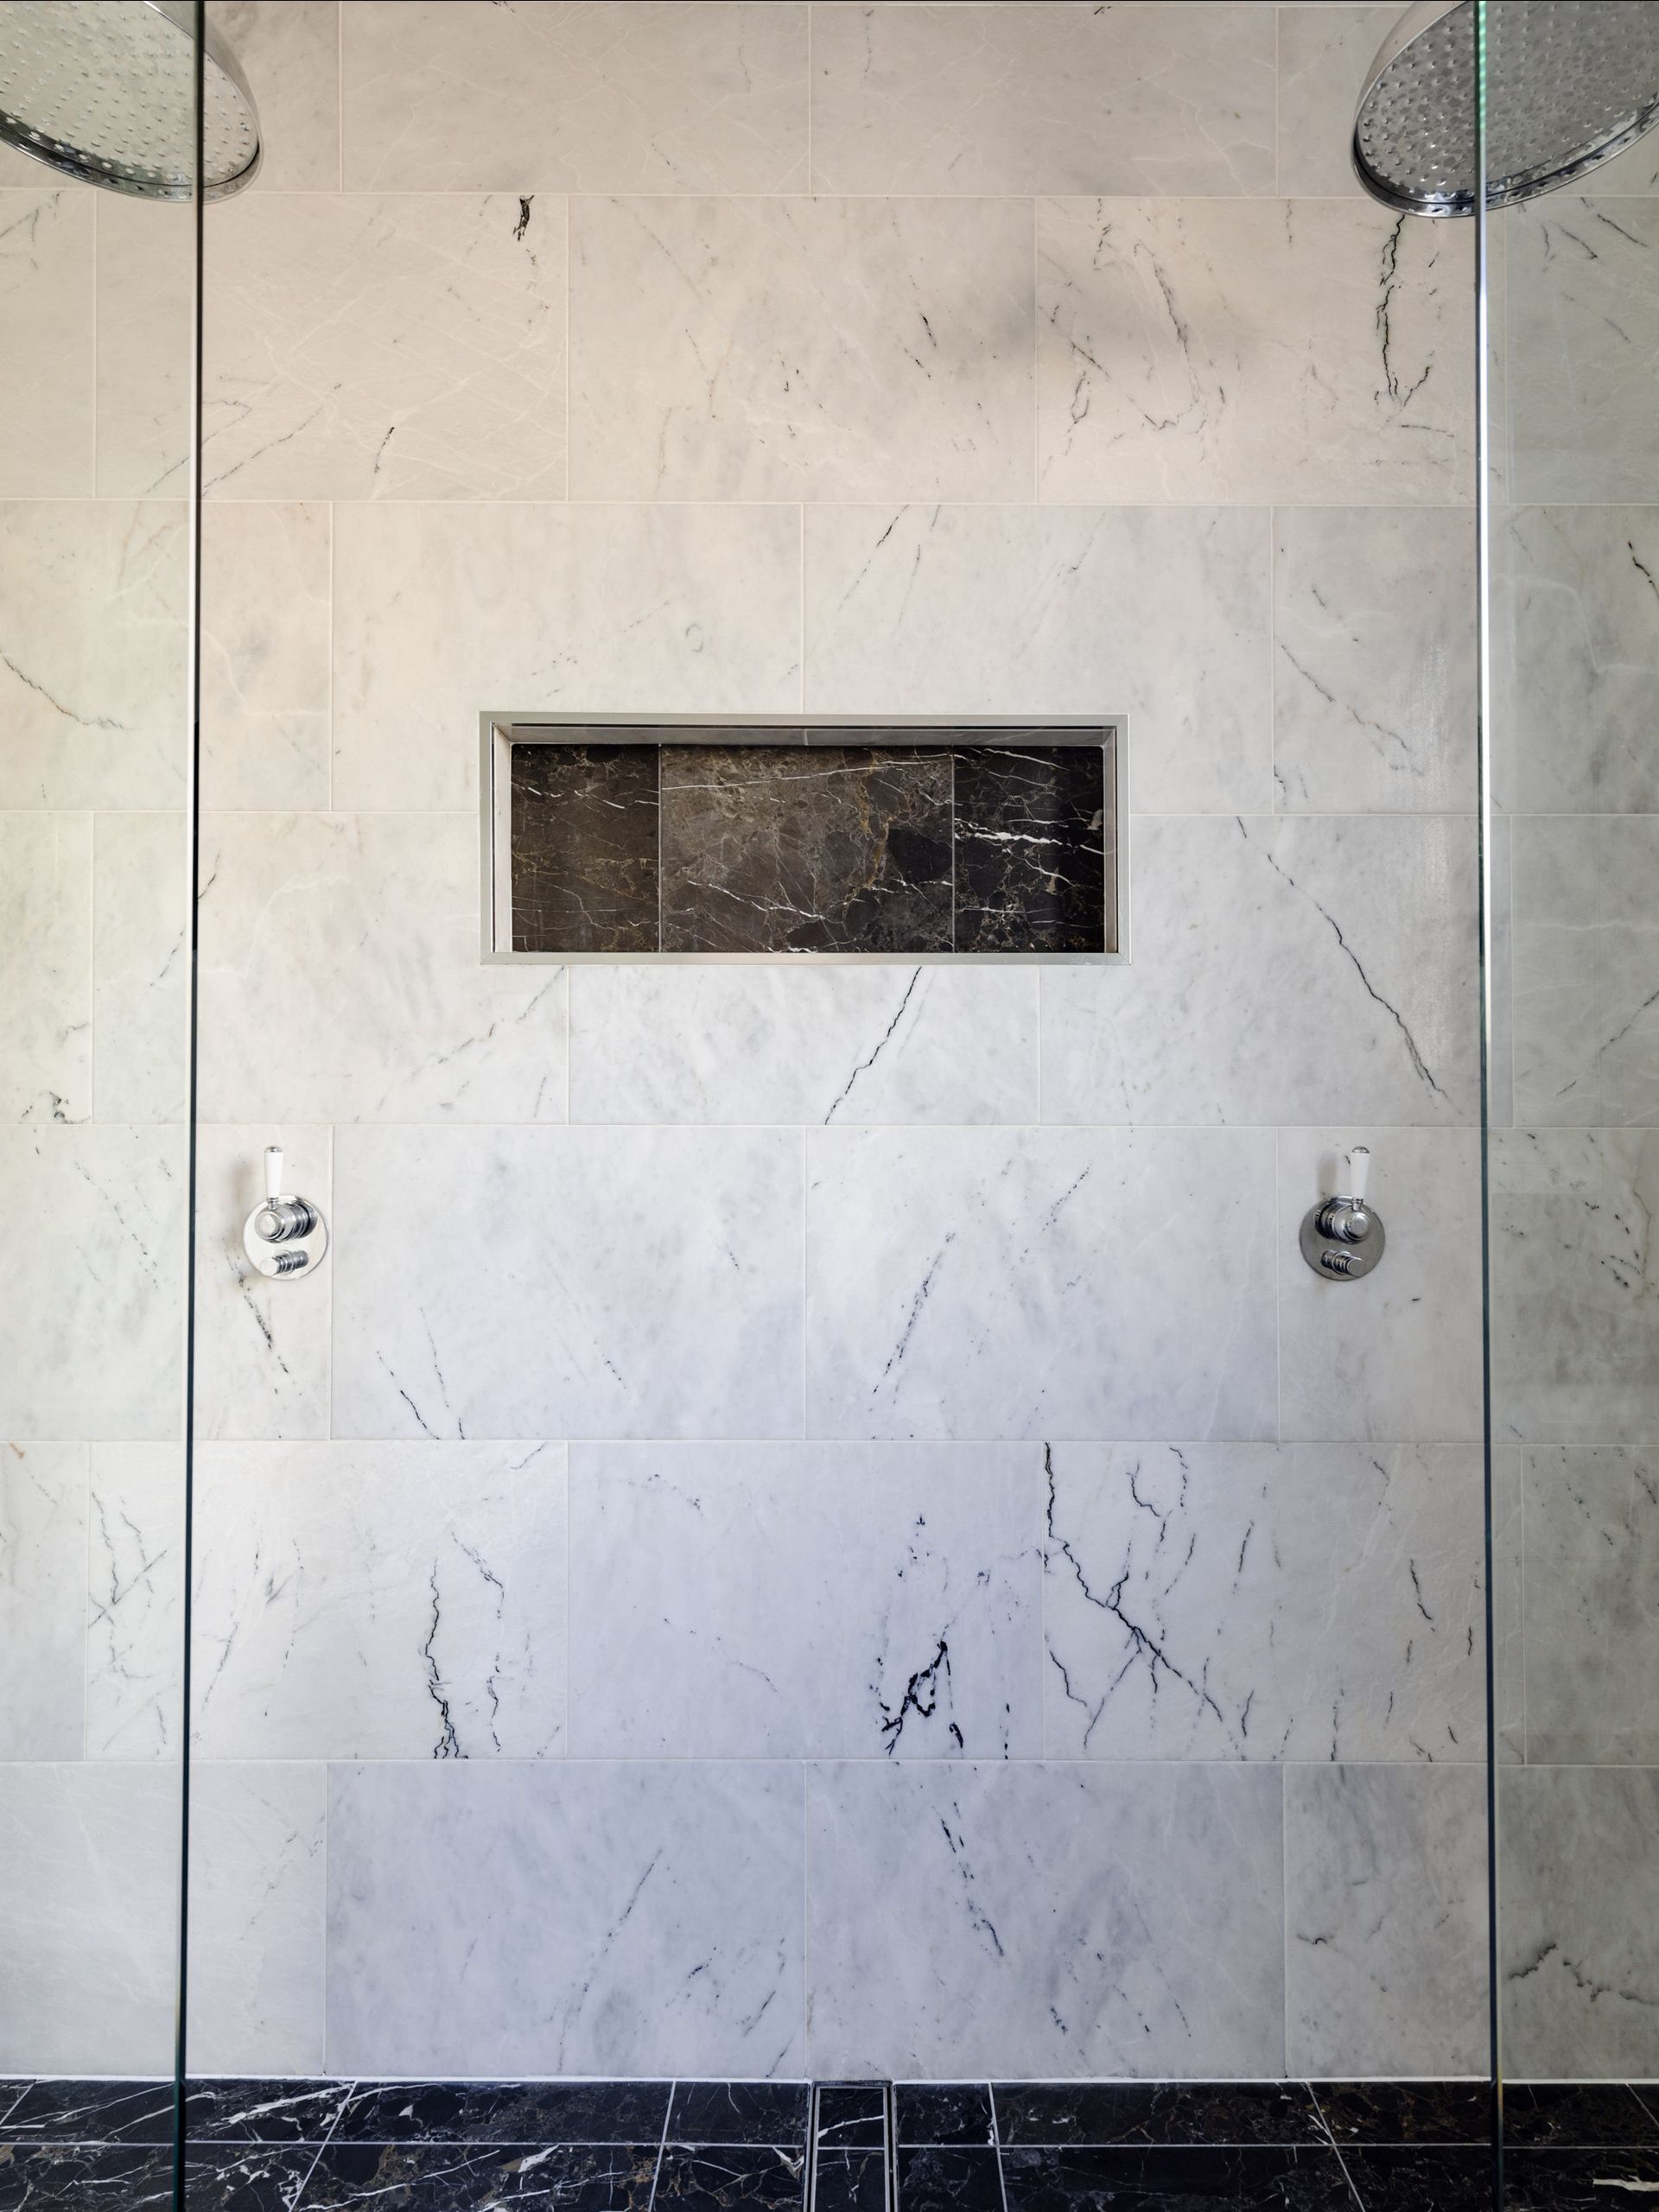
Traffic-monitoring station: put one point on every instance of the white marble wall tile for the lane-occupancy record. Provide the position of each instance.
(341, 978)
(1583, 337)
(46, 371)
(442, 612)
(568, 1282)
(46, 967)
(1500, 1049)
(134, 1601)
(1385, 1901)
(827, 1601)
(1366, 926)
(1265, 1602)
(379, 1601)
(1509, 1613)
(289, 53)
(384, 347)
(1045, 1920)
(94, 1216)
(145, 280)
(1636, 170)
(800, 349)
(1396, 1355)
(1042, 97)
(265, 675)
(508, 1918)
(88, 1918)
(1160, 615)
(554, 98)
(1034, 1283)
(1627, 855)
(258, 1918)
(262, 1345)
(1579, 1923)
(1591, 1607)
(1577, 659)
(1557, 953)
(1324, 56)
(42, 1611)
(92, 653)
(832, 1045)
(1575, 1357)
(1297, 352)
(141, 968)
(1374, 660)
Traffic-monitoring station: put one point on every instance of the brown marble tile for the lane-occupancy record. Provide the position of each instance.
(584, 848)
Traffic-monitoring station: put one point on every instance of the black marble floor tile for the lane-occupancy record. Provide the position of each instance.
(85, 2177)
(12, 2092)
(505, 2112)
(466, 2176)
(1177, 2178)
(1156, 2112)
(739, 2112)
(1574, 2114)
(1406, 2112)
(853, 2115)
(246, 2177)
(250, 2111)
(827, 850)
(718, 2180)
(1578, 2181)
(1030, 849)
(944, 2112)
(946, 2180)
(93, 2112)
(851, 2181)
(584, 847)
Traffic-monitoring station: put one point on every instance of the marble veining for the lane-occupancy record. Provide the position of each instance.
(585, 830)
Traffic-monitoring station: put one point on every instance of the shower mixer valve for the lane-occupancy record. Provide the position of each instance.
(1343, 1238)
(284, 1235)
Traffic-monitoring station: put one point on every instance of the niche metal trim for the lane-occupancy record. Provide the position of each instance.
(499, 731)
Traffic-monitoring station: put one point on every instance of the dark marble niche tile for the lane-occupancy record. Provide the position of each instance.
(830, 849)
(465, 2176)
(1575, 2181)
(944, 2112)
(1406, 2112)
(853, 2115)
(506, 2112)
(1157, 2112)
(584, 855)
(234, 2110)
(851, 2181)
(1031, 849)
(92, 2112)
(941, 2179)
(1177, 2178)
(739, 2112)
(86, 2177)
(1574, 2114)
(246, 2177)
(722, 2180)
(1423, 2176)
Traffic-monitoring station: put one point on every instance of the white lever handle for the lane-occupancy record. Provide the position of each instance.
(273, 1171)
(1359, 1170)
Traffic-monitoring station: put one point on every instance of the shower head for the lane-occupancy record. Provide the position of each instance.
(104, 90)
(1567, 83)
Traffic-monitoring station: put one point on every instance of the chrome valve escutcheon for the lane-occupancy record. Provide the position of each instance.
(286, 1234)
(1342, 1237)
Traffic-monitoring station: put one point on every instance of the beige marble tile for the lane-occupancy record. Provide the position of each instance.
(92, 653)
(1325, 57)
(46, 364)
(1041, 98)
(1160, 613)
(788, 349)
(442, 612)
(549, 97)
(146, 258)
(140, 966)
(46, 920)
(1299, 351)
(289, 53)
(266, 619)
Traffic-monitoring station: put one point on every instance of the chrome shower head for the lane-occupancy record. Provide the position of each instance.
(1567, 83)
(104, 90)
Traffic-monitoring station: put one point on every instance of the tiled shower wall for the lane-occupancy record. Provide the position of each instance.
(816, 1519)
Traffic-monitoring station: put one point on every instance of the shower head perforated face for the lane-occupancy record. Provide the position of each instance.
(1569, 83)
(104, 90)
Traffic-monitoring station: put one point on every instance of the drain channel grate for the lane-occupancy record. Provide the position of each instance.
(850, 2148)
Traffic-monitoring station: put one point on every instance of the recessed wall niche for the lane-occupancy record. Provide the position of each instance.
(689, 839)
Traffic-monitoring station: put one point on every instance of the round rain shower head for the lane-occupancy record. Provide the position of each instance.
(104, 90)
(1567, 83)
